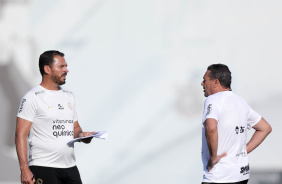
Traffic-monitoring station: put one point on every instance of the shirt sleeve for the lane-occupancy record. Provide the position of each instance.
(211, 109)
(27, 109)
(253, 118)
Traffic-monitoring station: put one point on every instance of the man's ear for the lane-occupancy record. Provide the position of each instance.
(47, 69)
(216, 82)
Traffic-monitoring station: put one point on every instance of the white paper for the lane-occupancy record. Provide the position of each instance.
(99, 135)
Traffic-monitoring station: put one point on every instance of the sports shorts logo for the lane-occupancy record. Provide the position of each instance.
(39, 181)
(209, 109)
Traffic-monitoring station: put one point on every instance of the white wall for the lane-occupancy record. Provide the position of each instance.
(136, 68)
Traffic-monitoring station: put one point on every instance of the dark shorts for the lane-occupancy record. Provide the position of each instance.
(240, 182)
(50, 175)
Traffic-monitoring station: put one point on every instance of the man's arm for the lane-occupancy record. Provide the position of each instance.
(262, 130)
(22, 130)
(212, 141)
(77, 132)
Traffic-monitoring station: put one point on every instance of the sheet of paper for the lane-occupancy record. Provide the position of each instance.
(99, 135)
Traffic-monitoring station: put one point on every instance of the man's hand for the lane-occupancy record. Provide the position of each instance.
(27, 177)
(212, 162)
(79, 133)
(86, 134)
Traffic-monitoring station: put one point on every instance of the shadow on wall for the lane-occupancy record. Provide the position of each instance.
(12, 89)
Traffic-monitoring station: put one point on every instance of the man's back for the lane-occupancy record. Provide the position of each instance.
(233, 115)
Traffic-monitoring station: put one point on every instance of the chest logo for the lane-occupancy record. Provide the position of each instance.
(61, 107)
(69, 105)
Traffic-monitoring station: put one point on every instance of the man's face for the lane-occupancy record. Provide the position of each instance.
(207, 84)
(59, 70)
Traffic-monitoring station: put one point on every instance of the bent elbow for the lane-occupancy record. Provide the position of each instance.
(212, 129)
(269, 130)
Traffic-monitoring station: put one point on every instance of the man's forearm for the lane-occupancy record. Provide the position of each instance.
(212, 141)
(76, 130)
(21, 146)
(256, 140)
(211, 136)
(262, 130)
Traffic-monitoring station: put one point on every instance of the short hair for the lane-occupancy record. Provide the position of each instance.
(46, 58)
(222, 73)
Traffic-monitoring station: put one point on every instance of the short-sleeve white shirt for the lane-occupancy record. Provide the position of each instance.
(52, 114)
(234, 117)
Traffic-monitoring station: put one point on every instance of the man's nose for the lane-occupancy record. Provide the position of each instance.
(66, 70)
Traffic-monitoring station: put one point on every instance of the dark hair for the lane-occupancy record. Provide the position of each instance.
(46, 58)
(222, 73)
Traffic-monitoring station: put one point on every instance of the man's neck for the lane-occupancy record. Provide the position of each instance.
(50, 85)
(221, 89)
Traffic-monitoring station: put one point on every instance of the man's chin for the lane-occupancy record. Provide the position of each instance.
(62, 83)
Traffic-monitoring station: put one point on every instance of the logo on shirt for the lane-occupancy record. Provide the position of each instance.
(245, 170)
(209, 109)
(39, 92)
(60, 128)
(69, 105)
(61, 107)
(65, 91)
(243, 153)
(238, 130)
(21, 107)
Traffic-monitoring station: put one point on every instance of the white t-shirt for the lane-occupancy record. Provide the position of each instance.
(52, 114)
(234, 116)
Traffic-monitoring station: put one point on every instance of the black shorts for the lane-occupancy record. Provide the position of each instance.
(240, 182)
(50, 175)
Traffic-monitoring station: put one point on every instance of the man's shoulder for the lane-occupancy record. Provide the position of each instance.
(219, 97)
(222, 95)
(227, 97)
(35, 91)
(215, 96)
(232, 95)
(67, 91)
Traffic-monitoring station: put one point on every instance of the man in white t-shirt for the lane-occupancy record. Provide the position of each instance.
(46, 122)
(226, 119)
